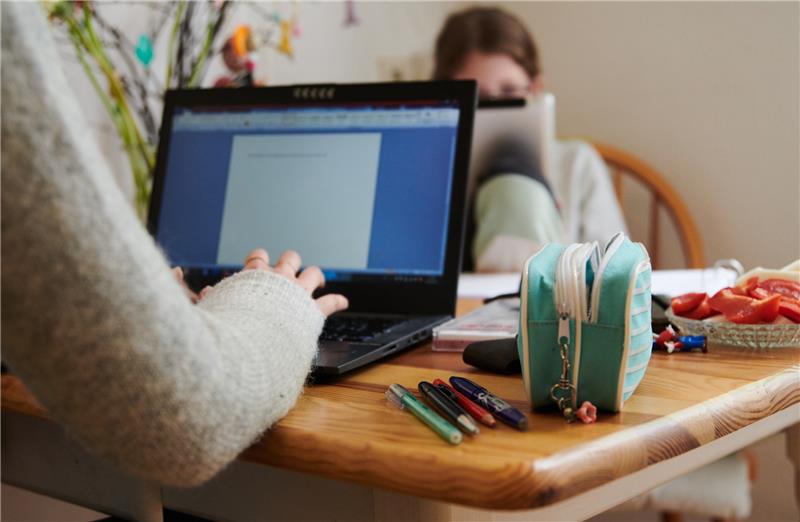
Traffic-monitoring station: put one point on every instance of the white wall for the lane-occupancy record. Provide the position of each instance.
(328, 51)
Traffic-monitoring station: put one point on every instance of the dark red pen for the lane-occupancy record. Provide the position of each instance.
(477, 412)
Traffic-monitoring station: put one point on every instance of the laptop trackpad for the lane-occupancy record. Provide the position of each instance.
(334, 353)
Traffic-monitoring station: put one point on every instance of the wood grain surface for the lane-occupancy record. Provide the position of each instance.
(345, 429)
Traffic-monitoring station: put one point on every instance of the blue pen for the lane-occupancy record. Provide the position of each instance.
(693, 341)
(496, 406)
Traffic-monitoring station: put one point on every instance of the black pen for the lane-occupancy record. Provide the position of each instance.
(448, 408)
(448, 392)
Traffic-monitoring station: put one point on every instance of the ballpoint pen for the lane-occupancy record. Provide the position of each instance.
(499, 408)
(449, 408)
(470, 407)
(402, 398)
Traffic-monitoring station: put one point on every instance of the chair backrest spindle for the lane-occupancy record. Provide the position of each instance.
(616, 178)
(623, 164)
(654, 244)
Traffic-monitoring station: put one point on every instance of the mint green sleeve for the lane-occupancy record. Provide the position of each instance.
(515, 208)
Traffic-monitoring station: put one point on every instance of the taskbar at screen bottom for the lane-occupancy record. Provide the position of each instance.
(202, 276)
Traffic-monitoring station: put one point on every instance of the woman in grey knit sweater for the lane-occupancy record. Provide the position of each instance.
(93, 320)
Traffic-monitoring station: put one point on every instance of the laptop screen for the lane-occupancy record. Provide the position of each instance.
(361, 190)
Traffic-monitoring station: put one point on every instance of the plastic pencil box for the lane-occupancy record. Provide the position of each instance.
(585, 332)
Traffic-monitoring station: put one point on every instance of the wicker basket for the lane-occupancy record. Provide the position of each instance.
(754, 336)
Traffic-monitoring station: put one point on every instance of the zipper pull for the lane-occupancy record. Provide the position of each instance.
(563, 329)
(563, 392)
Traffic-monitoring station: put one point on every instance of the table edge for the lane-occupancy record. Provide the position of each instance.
(491, 483)
(528, 484)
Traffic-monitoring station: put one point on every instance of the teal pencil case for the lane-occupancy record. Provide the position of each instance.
(585, 332)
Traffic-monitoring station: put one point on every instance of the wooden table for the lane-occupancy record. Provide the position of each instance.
(690, 409)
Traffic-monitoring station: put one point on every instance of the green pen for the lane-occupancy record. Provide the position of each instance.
(402, 398)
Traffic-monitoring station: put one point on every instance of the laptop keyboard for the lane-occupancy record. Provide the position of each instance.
(356, 329)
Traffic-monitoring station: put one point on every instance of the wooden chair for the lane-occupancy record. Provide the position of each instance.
(621, 164)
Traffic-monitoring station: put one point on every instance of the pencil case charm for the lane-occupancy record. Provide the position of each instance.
(585, 331)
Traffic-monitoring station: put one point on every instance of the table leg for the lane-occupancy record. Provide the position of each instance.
(793, 451)
(39, 456)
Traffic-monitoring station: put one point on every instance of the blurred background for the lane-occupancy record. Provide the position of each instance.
(706, 92)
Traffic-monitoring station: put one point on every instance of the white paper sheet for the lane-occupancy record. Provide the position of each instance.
(487, 285)
(677, 282)
(670, 282)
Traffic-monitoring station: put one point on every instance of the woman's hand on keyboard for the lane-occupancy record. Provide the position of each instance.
(287, 266)
(310, 279)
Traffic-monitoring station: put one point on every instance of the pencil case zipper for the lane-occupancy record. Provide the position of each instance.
(611, 248)
(572, 303)
(578, 300)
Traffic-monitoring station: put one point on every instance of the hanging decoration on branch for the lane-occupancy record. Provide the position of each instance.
(350, 17)
(185, 36)
(244, 41)
(144, 50)
(236, 56)
(285, 42)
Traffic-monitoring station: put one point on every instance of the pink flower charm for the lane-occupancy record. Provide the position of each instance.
(587, 413)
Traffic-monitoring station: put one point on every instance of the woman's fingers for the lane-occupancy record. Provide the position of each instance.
(311, 278)
(178, 273)
(258, 259)
(332, 303)
(288, 264)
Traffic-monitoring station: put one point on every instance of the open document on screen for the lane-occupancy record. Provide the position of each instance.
(313, 193)
(361, 191)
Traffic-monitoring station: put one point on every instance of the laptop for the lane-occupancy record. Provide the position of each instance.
(366, 181)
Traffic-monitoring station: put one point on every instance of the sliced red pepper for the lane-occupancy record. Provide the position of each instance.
(746, 287)
(759, 293)
(702, 311)
(743, 309)
(769, 308)
(790, 309)
(728, 302)
(781, 286)
(687, 302)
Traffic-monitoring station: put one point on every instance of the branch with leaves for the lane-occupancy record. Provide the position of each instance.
(192, 31)
(127, 92)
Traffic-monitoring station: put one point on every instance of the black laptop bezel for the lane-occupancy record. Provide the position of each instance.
(374, 297)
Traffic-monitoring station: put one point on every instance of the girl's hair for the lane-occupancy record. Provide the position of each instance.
(485, 29)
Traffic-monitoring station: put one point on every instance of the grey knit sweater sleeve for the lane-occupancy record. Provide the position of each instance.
(93, 320)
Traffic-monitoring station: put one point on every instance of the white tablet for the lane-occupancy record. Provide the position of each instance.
(528, 123)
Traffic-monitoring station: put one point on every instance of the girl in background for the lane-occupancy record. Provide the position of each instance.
(515, 209)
